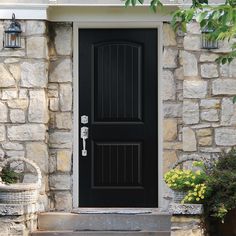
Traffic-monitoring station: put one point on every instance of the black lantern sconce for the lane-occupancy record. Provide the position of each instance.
(12, 37)
(207, 41)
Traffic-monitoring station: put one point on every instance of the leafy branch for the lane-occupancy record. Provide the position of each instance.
(220, 19)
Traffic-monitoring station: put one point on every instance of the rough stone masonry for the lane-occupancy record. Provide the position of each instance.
(36, 89)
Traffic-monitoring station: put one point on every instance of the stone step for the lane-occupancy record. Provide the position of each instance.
(100, 233)
(52, 221)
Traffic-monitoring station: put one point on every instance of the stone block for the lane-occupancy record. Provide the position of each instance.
(64, 160)
(192, 42)
(66, 97)
(190, 65)
(179, 73)
(224, 87)
(205, 141)
(14, 69)
(54, 104)
(63, 120)
(38, 152)
(38, 114)
(209, 70)
(23, 93)
(210, 115)
(173, 145)
(15, 153)
(189, 140)
(169, 158)
(26, 132)
(59, 69)
(208, 57)
(60, 182)
(17, 116)
(35, 27)
(194, 89)
(190, 112)
(13, 146)
(210, 103)
(18, 103)
(2, 154)
(60, 139)
(170, 129)
(63, 39)
(9, 94)
(193, 28)
(168, 92)
(6, 79)
(34, 75)
(37, 47)
(170, 58)
(169, 38)
(63, 201)
(225, 136)
(172, 110)
(204, 132)
(228, 70)
(228, 112)
(2, 133)
(3, 112)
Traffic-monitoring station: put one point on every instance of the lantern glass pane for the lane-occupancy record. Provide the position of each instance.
(208, 43)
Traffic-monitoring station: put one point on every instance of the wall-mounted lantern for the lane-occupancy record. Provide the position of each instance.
(207, 41)
(12, 38)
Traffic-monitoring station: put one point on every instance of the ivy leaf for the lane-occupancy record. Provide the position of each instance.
(127, 3)
(133, 2)
(234, 99)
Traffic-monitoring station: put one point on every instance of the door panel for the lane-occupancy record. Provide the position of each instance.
(118, 92)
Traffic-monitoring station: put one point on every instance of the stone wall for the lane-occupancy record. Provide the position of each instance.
(60, 109)
(23, 99)
(199, 114)
(36, 106)
(36, 102)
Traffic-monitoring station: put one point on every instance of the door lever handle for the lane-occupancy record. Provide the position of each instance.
(84, 136)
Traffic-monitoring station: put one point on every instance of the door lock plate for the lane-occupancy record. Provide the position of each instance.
(84, 119)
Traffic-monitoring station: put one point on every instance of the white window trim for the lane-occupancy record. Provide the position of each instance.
(131, 24)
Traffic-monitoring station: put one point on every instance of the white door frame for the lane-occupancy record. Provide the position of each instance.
(111, 24)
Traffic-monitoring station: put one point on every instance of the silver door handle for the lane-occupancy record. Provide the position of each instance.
(84, 136)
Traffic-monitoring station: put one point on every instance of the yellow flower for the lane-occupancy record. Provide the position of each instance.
(197, 199)
(198, 172)
(193, 177)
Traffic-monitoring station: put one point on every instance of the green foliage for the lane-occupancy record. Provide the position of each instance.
(192, 181)
(9, 176)
(154, 4)
(221, 19)
(222, 186)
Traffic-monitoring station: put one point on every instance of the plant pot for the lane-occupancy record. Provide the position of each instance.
(179, 196)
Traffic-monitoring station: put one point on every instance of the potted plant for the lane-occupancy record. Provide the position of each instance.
(188, 184)
(14, 192)
(220, 204)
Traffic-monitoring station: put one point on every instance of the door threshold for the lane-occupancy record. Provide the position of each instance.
(132, 211)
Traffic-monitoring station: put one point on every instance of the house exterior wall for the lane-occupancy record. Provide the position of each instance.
(36, 90)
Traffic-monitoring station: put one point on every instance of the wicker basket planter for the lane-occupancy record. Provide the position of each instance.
(20, 193)
(179, 196)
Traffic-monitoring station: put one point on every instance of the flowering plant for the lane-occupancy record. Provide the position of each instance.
(191, 181)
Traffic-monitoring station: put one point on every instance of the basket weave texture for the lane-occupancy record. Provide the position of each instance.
(179, 195)
(20, 193)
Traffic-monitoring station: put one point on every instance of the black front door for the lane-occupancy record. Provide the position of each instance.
(118, 93)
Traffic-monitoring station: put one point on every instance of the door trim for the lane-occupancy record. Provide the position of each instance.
(76, 140)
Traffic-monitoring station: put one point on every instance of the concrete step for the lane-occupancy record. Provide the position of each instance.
(56, 221)
(100, 233)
